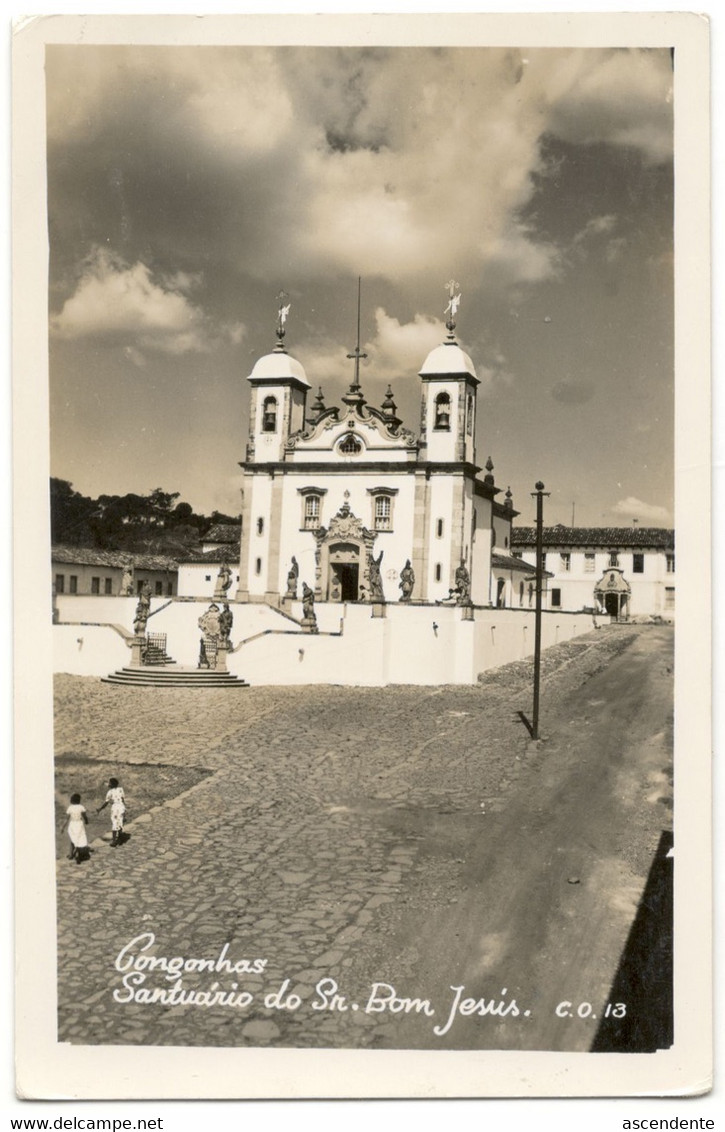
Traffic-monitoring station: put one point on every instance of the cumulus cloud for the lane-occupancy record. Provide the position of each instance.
(632, 508)
(624, 99)
(341, 160)
(117, 301)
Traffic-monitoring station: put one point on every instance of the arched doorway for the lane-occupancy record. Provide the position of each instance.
(343, 572)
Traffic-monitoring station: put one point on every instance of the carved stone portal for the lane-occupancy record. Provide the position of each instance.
(343, 552)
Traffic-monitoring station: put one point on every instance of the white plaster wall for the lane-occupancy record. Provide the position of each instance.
(481, 571)
(502, 530)
(424, 645)
(103, 610)
(441, 507)
(197, 580)
(88, 650)
(402, 648)
(397, 544)
(505, 635)
(256, 545)
(577, 585)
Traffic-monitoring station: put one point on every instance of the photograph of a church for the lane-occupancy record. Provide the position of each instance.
(363, 311)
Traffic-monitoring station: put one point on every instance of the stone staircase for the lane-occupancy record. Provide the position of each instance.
(156, 655)
(172, 676)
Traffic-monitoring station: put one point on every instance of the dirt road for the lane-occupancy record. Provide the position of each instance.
(540, 911)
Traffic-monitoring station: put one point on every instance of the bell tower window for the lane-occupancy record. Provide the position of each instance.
(269, 414)
(442, 413)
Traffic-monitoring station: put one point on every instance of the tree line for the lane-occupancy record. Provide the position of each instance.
(157, 523)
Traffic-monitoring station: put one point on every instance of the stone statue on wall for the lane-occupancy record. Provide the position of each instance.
(143, 609)
(223, 581)
(309, 617)
(292, 576)
(463, 586)
(226, 620)
(376, 582)
(407, 581)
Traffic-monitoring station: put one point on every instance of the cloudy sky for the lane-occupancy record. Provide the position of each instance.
(188, 186)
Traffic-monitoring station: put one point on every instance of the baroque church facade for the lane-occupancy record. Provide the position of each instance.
(349, 503)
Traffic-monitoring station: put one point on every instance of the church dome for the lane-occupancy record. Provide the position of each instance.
(448, 358)
(279, 366)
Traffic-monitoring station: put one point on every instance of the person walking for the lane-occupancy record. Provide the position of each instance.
(116, 799)
(76, 823)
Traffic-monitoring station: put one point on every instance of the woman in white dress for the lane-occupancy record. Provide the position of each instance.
(115, 798)
(76, 824)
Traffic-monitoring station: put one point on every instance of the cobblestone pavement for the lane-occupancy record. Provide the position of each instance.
(310, 825)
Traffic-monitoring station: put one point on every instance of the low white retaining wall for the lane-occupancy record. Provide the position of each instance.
(88, 650)
(411, 644)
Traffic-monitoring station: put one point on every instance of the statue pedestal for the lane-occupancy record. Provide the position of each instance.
(378, 609)
(466, 613)
(309, 625)
(137, 645)
(221, 656)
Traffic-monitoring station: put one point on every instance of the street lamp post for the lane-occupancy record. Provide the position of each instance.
(533, 727)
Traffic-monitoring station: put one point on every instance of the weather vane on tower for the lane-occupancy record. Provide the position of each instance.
(454, 301)
(282, 313)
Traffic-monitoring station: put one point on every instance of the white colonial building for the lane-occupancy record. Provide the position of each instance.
(348, 502)
(623, 572)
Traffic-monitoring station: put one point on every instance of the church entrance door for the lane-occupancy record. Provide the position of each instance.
(344, 572)
(348, 581)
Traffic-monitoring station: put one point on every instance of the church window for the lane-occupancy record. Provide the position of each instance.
(258, 566)
(158, 588)
(555, 599)
(670, 563)
(108, 585)
(382, 512)
(469, 412)
(74, 583)
(311, 520)
(589, 563)
(613, 558)
(351, 445)
(521, 593)
(442, 412)
(269, 414)
(260, 525)
(439, 528)
(383, 504)
(501, 593)
(438, 572)
(95, 585)
(59, 583)
(638, 563)
(565, 558)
